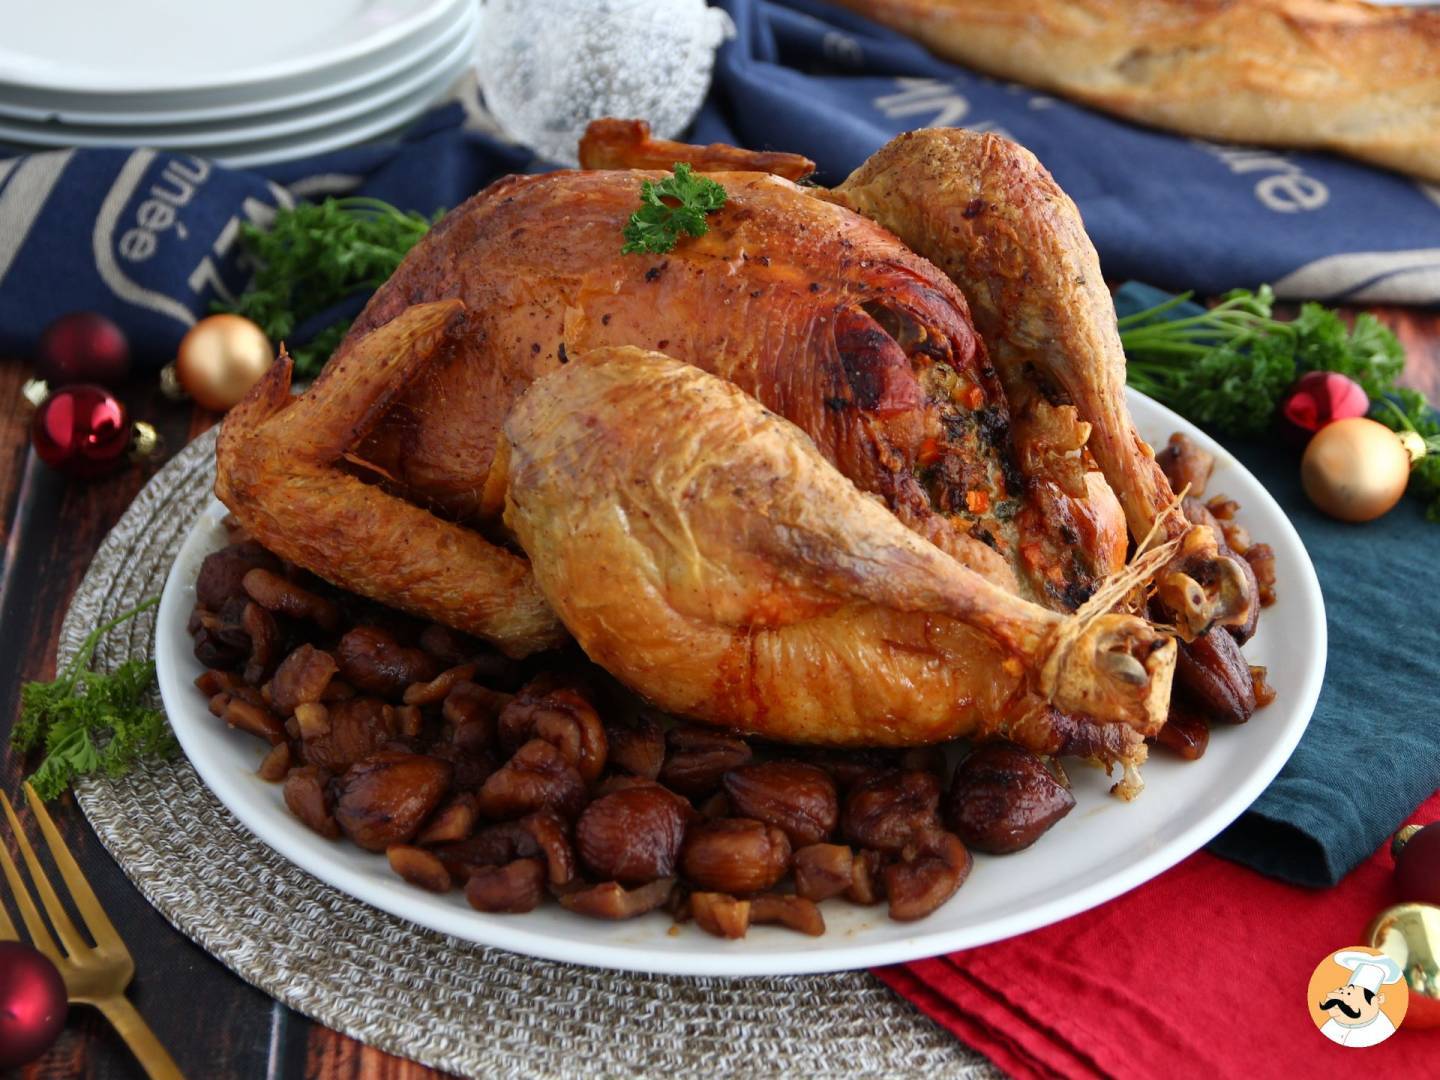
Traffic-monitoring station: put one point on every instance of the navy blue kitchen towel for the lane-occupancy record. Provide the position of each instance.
(1372, 751)
(149, 238)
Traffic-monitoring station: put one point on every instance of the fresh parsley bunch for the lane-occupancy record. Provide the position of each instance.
(657, 225)
(314, 255)
(87, 722)
(1229, 367)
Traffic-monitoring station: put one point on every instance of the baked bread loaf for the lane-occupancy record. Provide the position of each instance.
(1337, 75)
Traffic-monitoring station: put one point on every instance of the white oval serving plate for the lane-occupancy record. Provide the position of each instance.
(1102, 849)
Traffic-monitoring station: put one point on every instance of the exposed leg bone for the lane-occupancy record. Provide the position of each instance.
(986, 212)
(626, 144)
(277, 460)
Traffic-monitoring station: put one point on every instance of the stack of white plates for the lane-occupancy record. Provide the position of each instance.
(246, 82)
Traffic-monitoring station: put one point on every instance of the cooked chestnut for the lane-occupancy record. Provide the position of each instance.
(1264, 692)
(1185, 732)
(611, 900)
(865, 880)
(1003, 798)
(794, 912)
(1261, 558)
(419, 867)
(212, 682)
(637, 748)
(1185, 464)
(386, 796)
(438, 688)
(734, 855)
(260, 627)
(358, 726)
(926, 875)
(453, 821)
(1212, 672)
(307, 795)
(799, 799)
(514, 888)
(284, 597)
(313, 720)
(256, 719)
(823, 870)
(276, 764)
(473, 710)
(222, 572)
(697, 758)
(550, 837)
(302, 677)
(560, 716)
(631, 836)
(719, 914)
(537, 776)
(886, 811)
(372, 659)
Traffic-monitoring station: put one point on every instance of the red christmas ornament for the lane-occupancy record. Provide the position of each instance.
(84, 431)
(82, 347)
(1417, 865)
(1319, 398)
(32, 1004)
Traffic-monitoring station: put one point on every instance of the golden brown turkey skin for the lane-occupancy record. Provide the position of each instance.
(819, 313)
(701, 550)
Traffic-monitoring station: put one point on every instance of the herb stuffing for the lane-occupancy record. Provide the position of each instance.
(86, 722)
(315, 255)
(1229, 367)
(657, 225)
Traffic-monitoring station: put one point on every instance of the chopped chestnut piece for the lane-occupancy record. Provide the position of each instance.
(611, 900)
(212, 682)
(386, 796)
(1212, 672)
(514, 888)
(1185, 464)
(550, 837)
(1185, 732)
(358, 726)
(371, 658)
(631, 836)
(276, 763)
(409, 721)
(794, 912)
(865, 881)
(438, 688)
(419, 867)
(734, 855)
(1261, 558)
(796, 798)
(537, 776)
(697, 758)
(302, 677)
(283, 597)
(307, 796)
(264, 634)
(313, 720)
(823, 871)
(1003, 798)
(923, 879)
(473, 709)
(1264, 692)
(637, 748)
(721, 915)
(453, 821)
(886, 811)
(214, 650)
(256, 719)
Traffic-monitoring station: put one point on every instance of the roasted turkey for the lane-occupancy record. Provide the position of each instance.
(784, 478)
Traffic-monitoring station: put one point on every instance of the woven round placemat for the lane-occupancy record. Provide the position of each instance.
(444, 1002)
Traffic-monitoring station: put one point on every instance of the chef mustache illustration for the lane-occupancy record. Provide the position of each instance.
(1349, 1010)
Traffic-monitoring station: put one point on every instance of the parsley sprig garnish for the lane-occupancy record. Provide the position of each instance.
(314, 255)
(88, 722)
(657, 225)
(1229, 367)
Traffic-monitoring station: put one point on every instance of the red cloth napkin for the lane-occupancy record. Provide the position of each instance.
(1202, 972)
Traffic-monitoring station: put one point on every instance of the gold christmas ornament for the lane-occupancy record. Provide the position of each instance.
(1410, 935)
(219, 360)
(1355, 469)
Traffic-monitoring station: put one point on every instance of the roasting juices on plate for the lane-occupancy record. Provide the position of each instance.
(789, 467)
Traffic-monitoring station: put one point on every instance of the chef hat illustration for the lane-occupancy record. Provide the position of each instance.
(1367, 971)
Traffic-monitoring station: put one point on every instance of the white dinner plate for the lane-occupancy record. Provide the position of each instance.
(146, 46)
(1102, 849)
(322, 87)
(433, 75)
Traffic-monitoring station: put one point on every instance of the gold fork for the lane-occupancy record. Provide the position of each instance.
(94, 975)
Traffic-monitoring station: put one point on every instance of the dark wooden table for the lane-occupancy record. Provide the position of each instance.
(214, 1024)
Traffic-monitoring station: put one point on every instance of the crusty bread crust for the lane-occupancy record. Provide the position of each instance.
(1337, 75)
